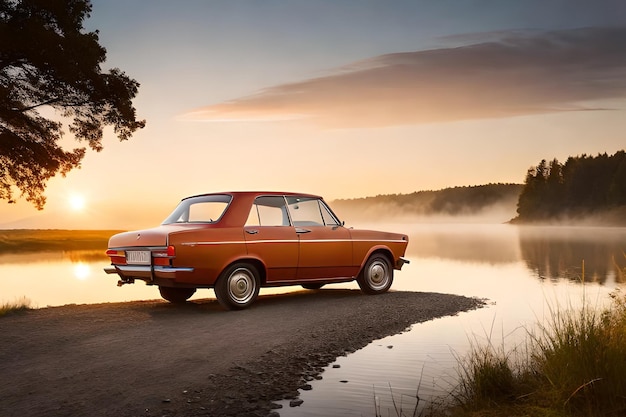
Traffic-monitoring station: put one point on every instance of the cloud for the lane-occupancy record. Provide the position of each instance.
(516, 73)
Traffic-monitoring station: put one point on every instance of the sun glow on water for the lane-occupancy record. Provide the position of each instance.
(82, 271)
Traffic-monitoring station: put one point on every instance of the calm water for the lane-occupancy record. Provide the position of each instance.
(521, 271)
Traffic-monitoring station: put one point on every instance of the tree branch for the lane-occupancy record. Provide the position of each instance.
(45, 103)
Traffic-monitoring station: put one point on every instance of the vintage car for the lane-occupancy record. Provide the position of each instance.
(237, 242)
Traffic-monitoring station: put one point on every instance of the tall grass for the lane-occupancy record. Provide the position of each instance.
(21, 304)
(573, 365)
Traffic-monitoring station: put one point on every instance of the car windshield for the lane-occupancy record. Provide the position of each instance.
(201, 209)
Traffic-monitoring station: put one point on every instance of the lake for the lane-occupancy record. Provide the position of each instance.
(523, 272)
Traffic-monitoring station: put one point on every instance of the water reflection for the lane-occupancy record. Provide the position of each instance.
(589, 254)
(438, 252)
(72, 256)
(493, 244)
(551, 253)
(52, 278)
(82, 270)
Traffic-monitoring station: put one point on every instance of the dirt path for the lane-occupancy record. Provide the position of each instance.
(158, 359)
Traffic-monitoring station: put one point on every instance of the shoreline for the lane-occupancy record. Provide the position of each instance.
(153, 358)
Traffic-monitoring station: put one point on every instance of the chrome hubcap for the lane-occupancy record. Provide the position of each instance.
(241, 285)
(378, 275)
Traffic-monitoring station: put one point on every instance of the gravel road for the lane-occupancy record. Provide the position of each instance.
(152, 358)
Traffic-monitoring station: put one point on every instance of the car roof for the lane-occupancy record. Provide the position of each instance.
(256, 194)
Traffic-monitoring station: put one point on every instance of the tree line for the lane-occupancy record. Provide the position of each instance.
(582, 185)
(455, 201)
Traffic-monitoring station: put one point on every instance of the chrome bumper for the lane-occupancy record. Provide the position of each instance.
(145, 272)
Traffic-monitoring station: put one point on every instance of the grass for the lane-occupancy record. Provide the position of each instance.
(21, 304)
(574, 365)
(27, 240)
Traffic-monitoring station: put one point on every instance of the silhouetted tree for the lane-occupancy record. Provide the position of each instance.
(47, 61)
(617, 188)
(583, 184)
(555, 190)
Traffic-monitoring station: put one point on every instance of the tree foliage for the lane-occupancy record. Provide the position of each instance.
(583, 185)
(48, 62)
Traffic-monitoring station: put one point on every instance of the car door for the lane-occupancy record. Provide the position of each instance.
(272, 239)
(325, 245)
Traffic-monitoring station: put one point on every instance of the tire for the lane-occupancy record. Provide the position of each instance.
(176, 295)
(238, 286)
(312, 286)
(377, 275)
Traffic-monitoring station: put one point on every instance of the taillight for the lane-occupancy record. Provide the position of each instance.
(117, 256)
(163, 257)
(170, 252)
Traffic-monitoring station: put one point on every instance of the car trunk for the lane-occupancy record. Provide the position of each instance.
(157, 236)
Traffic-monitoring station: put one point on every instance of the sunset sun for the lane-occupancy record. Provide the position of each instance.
(77, 202)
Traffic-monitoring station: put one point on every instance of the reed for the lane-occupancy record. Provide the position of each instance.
(20, 304)
(573, 365)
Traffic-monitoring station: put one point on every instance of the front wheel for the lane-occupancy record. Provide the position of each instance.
(238, 286)
(176, 295)
(377, 275)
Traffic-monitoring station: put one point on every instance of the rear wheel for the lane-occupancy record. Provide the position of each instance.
(176, 295)
(238, 286)
(312, 286)
(377, 275)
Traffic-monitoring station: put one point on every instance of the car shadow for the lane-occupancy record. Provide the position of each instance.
(209, 305)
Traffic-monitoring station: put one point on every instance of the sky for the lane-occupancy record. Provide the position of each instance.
(344, 99)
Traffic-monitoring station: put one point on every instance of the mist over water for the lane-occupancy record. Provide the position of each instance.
(547, 253)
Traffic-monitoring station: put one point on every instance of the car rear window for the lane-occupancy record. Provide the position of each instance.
(201, 209)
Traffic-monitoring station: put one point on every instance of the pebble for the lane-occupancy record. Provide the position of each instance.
(296, 402)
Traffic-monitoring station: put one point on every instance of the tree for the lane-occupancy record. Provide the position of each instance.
(48, 61)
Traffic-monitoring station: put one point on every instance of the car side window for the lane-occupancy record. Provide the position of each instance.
(307, 211)
(329, 218)
(268, 211)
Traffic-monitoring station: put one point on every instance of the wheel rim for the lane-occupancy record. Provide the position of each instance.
(241, 286)
(378, 274)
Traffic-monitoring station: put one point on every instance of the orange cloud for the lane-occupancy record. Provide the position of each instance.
(519, 73)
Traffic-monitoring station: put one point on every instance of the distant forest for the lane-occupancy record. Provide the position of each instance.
(584, 190)
(457, 201)
(582, 186)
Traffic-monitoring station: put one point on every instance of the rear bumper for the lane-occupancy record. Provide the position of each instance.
(148, 273)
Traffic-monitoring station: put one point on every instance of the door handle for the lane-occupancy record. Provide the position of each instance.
(300, 230)
(252, 232)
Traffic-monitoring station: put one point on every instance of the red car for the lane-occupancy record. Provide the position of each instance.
(237, 242)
